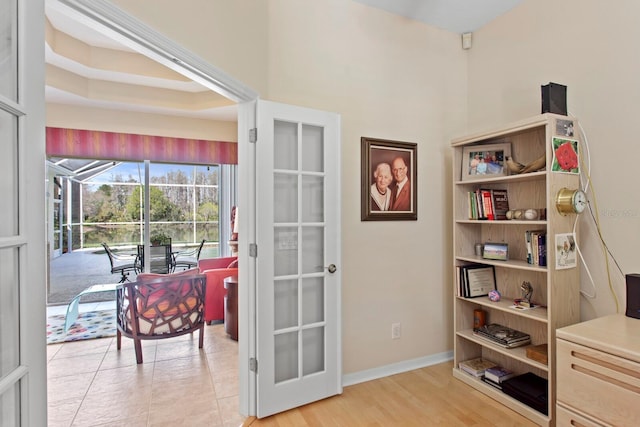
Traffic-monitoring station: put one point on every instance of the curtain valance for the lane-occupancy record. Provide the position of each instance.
(91, 144)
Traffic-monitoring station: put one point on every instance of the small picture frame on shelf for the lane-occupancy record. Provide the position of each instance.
(496, 251)
(484, 161)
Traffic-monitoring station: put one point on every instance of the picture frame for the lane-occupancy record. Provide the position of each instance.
(484, 161)
(566, 251)
(496, 251)
(384, 163)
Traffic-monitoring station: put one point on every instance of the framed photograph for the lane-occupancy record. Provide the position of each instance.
(566, 254)
(389, 184)
(496, 251)
(482, 161)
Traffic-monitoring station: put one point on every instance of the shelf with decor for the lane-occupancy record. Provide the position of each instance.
(555, 291)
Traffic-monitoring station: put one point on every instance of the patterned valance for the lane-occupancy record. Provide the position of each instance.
(91, 144)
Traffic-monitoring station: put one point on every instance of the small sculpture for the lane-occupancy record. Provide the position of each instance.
(518, 168)
(527, 292)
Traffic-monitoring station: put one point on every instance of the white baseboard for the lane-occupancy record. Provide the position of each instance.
(395, 368)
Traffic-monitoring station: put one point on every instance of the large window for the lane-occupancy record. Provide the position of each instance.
(108, 206)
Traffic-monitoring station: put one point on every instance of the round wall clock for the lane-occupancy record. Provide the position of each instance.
(570, 201)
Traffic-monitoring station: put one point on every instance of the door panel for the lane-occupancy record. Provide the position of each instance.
(298, 235)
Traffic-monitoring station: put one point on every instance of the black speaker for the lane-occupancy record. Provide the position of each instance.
(554, 99)
(633, 295)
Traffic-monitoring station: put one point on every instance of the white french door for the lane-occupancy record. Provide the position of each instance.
(298, 336)
(22, 232)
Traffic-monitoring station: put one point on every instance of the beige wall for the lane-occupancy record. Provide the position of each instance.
(387, 77)
(67, 116)
(590, 46)
(394, 79)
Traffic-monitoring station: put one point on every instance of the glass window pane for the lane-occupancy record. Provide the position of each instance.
(9, 168)
(312, 300)
(312, 148)
(286, 356)
(8, 50)
(285, 304)
(285, 198)
(312, 199)
(285, 260)
(313, 350)
(285, 145)
(160, 173)
(10, 407)
(312, 250)
(207, 175)
(10, 325)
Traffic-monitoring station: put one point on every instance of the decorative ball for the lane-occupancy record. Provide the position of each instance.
(494, 295)
(531, 214)
(509, 214)
(517, 214)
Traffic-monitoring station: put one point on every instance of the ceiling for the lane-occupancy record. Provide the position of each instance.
(76, 56)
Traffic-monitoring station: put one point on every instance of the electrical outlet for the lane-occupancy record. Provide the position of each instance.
(395, 331)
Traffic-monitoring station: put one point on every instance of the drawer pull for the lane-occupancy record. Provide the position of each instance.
(608, 365)
(605, 378)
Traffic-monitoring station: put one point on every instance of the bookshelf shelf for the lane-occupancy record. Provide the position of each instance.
(557, 291)
(497, 395)
(539, 313)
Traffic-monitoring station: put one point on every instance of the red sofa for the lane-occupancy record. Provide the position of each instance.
(216, 270)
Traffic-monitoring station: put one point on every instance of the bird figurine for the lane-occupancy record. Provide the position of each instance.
(513, 166)
(536, 165)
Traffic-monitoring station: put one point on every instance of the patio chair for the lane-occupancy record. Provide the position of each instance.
(158, 306)
(120, 264)
(188, 259)
(160, 259)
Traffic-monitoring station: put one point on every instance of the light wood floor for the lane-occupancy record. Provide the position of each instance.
(424, 397)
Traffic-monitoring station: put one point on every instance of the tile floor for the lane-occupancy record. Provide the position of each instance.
(91, 383)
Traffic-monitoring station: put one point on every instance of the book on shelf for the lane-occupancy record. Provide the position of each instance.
(530, 389)
(491, 383)
(500, 203)
(476, 280)
(498, 374)
(488, 204)
(536, 241)
(502, 335)
(476, 367)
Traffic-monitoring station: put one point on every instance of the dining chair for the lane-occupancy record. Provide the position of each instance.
(120, 264)
(160, 259)
(188, 259)
(158, 306)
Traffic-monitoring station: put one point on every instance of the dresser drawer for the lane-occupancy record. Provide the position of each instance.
(568, 418)
(603, 386)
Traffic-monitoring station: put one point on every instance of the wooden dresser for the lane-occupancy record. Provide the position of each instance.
(598, 372)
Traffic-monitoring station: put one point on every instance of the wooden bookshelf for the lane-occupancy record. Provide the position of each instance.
(556, 291)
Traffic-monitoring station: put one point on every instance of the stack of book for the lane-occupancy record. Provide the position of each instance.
(495, 375)
(536, 241)
(476, 367)
(502, 335)
(489, 204)
(529, 389)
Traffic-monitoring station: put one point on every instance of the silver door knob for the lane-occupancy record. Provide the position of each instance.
(331, 268)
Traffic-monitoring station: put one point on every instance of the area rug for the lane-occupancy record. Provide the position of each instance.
(92, 324)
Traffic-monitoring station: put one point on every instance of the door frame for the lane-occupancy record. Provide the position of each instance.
(120, 26)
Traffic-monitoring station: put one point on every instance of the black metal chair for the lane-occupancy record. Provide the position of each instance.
(188, 259)
(160, 259)
(120, 264)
